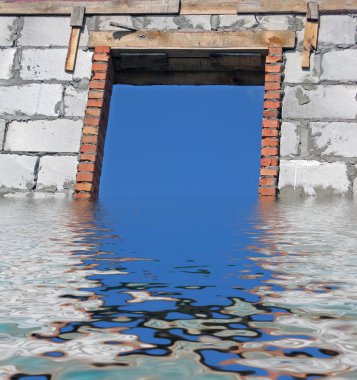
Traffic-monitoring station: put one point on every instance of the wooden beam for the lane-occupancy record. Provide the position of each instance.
(77, 19)
(311, 33)
(263, 6)
(27, 7)
(72, 48)
(247, 40)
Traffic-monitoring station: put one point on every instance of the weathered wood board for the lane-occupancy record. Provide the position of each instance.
(184, 7)
(92, 6)
(263, 6)
(177, 40)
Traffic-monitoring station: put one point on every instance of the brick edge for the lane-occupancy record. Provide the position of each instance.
(95, 125)
(270, 148)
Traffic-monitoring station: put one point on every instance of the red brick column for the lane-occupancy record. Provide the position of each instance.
(269, 170)
(95, 125)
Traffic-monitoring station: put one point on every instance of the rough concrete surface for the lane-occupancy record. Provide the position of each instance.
(337, 30)
(340, 65)
(314, 177)
(75, 101)
(290, 139)
(295, 74)
(48, 64)
(30, 99)
(17, 172)
(57, 173)
(320, 102)
(57, 136)
(48, 31)
(6, 62)
(334, 139)
(7, 26)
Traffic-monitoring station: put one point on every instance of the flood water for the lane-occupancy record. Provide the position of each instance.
(157, 289)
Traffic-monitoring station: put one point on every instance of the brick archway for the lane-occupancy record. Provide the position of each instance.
(97, 113)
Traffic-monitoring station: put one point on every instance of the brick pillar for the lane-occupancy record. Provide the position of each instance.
(95, 125)
(269, 170)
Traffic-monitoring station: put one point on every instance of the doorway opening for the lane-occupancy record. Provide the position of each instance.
(207, 68)
(191, 141)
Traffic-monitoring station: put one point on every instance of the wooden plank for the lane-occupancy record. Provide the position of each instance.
(209, 7)
(312, 13)
(92, 6)
(310, 42)
(242, 78)
(72, 48)
(172, 6)
(77, 16)
(199, 40)
(263, 6)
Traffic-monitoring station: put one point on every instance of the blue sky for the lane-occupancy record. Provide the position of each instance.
(183, 141)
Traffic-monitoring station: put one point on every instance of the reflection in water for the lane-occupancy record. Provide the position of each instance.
(178, 289)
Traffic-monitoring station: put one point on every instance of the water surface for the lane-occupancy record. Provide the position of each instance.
(156, 289)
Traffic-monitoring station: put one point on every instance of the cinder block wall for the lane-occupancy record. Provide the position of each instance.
(42, 107)
(319, 114)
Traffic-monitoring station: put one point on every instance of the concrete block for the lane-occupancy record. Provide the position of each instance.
(7, 27)
(6, 62)
(57, 173)
(274, 22)
(44, 136)
(57, 32)
(293, 72)
(340, 65)
(334, 139)
(17, 172)
(337, 29)
(31, 99)
(103, 22)
(321, 102)
(236, 22)
(200, 22)
(75, 101)
(313, 177)
(155, 22)
(2, 132)
(290, 139)
(48, 64)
